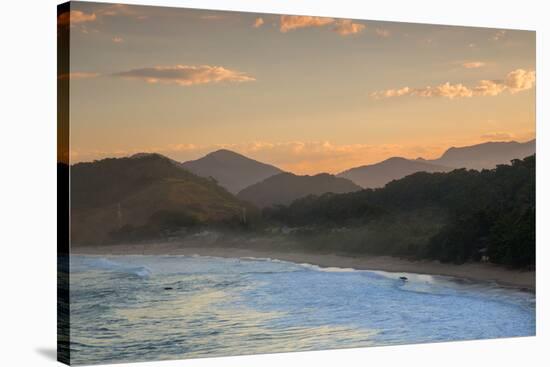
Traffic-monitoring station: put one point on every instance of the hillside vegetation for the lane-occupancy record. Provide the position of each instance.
(142, 197)
(455, 217)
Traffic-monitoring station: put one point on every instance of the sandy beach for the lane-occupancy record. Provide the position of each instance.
(469, 271)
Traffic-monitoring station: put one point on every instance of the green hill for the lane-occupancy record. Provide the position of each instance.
(145, 196)
(284, 188)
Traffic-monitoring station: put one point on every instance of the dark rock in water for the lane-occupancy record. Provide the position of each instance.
(168, 288)
(403, 278)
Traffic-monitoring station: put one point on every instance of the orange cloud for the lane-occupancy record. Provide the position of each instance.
(258, 23)
(186, 75)
(346, 27)
(501, 136)
(75, 17)
(515, 81)
(473, 64)
(118, 39)
(292, 22)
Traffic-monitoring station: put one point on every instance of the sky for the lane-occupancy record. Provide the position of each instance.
(306, 94)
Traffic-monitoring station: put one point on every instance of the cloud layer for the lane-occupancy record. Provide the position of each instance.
(258, 22)
(292, 22)
(301, 157)
(346, 27)
(498, 135)
(514, 82)
(343, 27)
(186, 75)
(75, 17)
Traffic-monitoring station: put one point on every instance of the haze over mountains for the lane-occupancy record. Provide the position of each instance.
(284, 188)
(379, 174)
(481, 156)
(232, 170)
(236, 172)
(485, 155)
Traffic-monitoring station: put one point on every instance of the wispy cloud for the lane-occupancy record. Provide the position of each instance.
(113, 10)
(498, 135)
(343, 27)
(292, 22)
(186, 75)
(346, 27)
(78, 75)
(514, 82)
(473, 64)
(74, 17)
(258, 23)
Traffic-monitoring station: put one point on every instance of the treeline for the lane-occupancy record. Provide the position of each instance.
(458, 216)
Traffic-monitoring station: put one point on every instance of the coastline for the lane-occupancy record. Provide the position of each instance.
(476, 272)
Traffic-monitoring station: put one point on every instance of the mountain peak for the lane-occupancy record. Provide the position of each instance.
(225, 153)
(232, 170)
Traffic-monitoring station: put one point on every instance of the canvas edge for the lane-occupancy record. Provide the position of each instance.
(63, 186)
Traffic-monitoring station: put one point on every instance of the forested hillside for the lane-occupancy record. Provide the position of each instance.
(457, 216)
(145, 197)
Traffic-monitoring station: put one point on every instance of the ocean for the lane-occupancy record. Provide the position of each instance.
(137, 308)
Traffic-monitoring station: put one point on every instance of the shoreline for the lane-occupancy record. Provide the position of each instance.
(477, 272)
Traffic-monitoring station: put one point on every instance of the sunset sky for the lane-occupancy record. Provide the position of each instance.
(306, 94)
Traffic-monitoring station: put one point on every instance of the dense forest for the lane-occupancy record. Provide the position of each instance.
(458, 216)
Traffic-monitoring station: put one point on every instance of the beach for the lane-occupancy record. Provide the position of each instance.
(478, 272)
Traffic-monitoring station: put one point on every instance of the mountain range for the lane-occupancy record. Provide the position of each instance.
(486, 155)
(117, 199)
(236, 172)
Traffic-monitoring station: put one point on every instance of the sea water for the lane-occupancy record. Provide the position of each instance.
(135, 308)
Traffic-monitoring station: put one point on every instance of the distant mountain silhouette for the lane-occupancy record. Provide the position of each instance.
(287, 187)
(485, 155)
(379, 174)
(141, 197)
(480, 156)
(232, 170)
